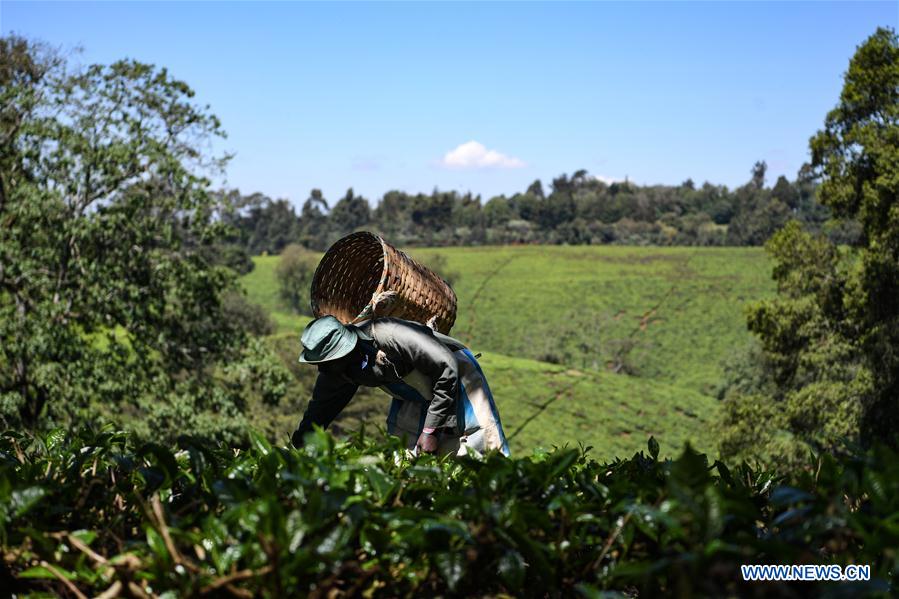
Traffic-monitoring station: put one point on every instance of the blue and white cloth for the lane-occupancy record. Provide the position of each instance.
(478, 424)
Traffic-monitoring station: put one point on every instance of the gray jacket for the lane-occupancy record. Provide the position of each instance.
(404, 346)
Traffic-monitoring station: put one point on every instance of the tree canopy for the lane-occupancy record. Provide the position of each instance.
(830, 337)
(579, 209)
(110, 302)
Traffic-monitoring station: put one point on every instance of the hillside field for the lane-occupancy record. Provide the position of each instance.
(599, 345)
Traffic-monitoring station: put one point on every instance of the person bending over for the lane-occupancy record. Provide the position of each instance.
(441, 401)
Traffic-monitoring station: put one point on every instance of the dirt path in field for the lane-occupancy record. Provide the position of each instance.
(477, 293)
(619, 358)
(542, 407)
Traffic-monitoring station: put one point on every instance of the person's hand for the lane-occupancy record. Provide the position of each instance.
(427, 442)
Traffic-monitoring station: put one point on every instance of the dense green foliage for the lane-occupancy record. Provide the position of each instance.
(93, 512)
(829, 369)
(579, 209)
(111, 302)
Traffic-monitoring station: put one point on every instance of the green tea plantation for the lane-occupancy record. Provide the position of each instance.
(94, 514)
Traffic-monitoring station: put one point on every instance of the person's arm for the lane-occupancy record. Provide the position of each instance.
(425, 353)
(329, 397)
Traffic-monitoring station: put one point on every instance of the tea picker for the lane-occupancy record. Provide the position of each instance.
(382, 321)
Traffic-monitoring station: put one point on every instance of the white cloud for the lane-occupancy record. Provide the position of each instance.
(474, 155)
(607, 180)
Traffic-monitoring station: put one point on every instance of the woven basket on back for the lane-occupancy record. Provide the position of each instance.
(361, 266)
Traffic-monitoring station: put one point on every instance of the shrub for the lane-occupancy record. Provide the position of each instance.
(294, 272)
(253, 317)
(99, 512)
(437, 263)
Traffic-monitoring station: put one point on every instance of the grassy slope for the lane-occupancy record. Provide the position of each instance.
(261, 285)
(543, 404)
(671, 315)
(681, 309)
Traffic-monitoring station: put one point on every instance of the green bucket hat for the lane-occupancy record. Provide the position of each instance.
(327, 339)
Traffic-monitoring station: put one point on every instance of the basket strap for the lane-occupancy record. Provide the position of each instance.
(369, 310)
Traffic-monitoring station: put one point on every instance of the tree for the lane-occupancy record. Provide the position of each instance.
(497, 211)
(433, 213)
(350, 213)
(314, 221)
(829, 338)
(294, 272)
(536, 189)
(271, 225)
(109, 303)
(784, 192)
(555, 210)
(579, 179)
(561, 184)
(254, 317)
(438, 264)
(857, 157)
(262, 224)
(758, 174)
(759, 211)
(317, 200)
(392, 213)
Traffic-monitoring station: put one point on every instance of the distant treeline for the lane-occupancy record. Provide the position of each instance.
(576, 209)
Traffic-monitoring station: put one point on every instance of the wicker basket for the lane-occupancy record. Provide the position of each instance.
(360, 266)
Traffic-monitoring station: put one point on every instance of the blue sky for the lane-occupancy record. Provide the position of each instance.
(485, 97)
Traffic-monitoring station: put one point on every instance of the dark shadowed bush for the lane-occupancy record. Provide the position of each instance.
(99, 512)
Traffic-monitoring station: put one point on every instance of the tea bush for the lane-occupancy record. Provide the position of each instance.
(92, 512)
